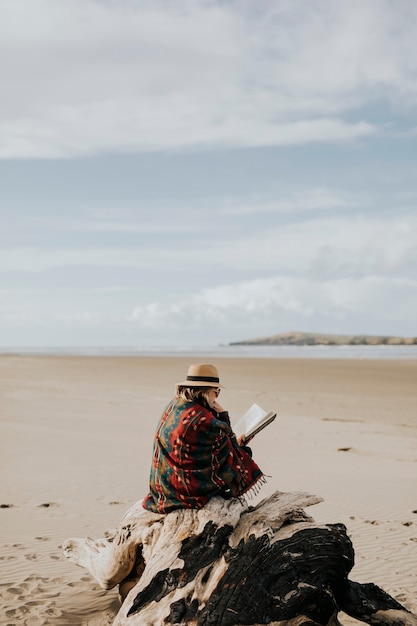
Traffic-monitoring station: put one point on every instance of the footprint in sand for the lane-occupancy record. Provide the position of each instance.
(52, 611)
(20, 611)
(35, 585)
(32, 578)
(27, 611)
(42, 538)
(58, 581)
(76, 583)
(8, 558)
(46, 505)
(34, 620)
(33, 603)
(81, 582)
(31, 557)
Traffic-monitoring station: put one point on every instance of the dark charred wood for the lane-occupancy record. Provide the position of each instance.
(363, 601)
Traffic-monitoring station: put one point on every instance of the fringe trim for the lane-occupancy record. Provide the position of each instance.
(256, 488)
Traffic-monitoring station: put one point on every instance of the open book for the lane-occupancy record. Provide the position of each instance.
(253, 421)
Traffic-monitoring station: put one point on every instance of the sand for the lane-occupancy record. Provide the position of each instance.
(76, 437)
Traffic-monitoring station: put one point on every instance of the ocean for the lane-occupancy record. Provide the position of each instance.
(211, 352)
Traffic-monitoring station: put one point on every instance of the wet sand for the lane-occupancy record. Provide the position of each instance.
(76, 437)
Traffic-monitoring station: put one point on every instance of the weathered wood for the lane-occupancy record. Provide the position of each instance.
(229, 564)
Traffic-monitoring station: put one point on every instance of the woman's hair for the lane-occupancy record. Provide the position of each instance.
(195, 394)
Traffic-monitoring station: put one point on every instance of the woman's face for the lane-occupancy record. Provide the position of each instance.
(213, 394)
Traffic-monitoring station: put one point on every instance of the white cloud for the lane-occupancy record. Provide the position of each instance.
(323, 247)
(227, 312)
(263, 302)
(84, 76)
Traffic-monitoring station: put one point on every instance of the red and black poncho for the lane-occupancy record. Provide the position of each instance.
(196, 456)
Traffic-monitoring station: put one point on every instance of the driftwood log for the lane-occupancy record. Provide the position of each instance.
(229, 564)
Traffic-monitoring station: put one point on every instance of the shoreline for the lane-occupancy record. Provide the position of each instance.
(396, 352)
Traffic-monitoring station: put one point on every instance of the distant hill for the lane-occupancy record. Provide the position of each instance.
(317, 339)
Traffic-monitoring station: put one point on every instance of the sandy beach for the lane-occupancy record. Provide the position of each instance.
(76, 438)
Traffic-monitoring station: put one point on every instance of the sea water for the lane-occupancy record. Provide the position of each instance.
(226, 351)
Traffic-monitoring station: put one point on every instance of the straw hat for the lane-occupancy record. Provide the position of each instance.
(202, 375)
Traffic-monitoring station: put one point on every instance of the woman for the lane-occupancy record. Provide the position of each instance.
(196, 454)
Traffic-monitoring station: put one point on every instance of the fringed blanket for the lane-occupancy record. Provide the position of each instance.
(196, 456)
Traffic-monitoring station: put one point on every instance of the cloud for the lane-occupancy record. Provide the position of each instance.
(316, 199)
(227, 312)
(114, 225)
(322, 247)
(264, 302)
(85, 77)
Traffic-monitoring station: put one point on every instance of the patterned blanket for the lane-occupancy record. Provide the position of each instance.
(196, 456)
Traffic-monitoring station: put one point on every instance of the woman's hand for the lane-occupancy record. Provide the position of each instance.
(216, 406)
(242, 441)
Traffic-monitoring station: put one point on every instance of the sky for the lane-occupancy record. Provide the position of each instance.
(198, 172)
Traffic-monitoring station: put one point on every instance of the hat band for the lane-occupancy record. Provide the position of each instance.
(207, 379)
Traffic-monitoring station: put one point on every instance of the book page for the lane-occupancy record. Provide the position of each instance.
(249, 422)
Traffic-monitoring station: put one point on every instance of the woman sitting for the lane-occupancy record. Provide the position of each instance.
(196, 454)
